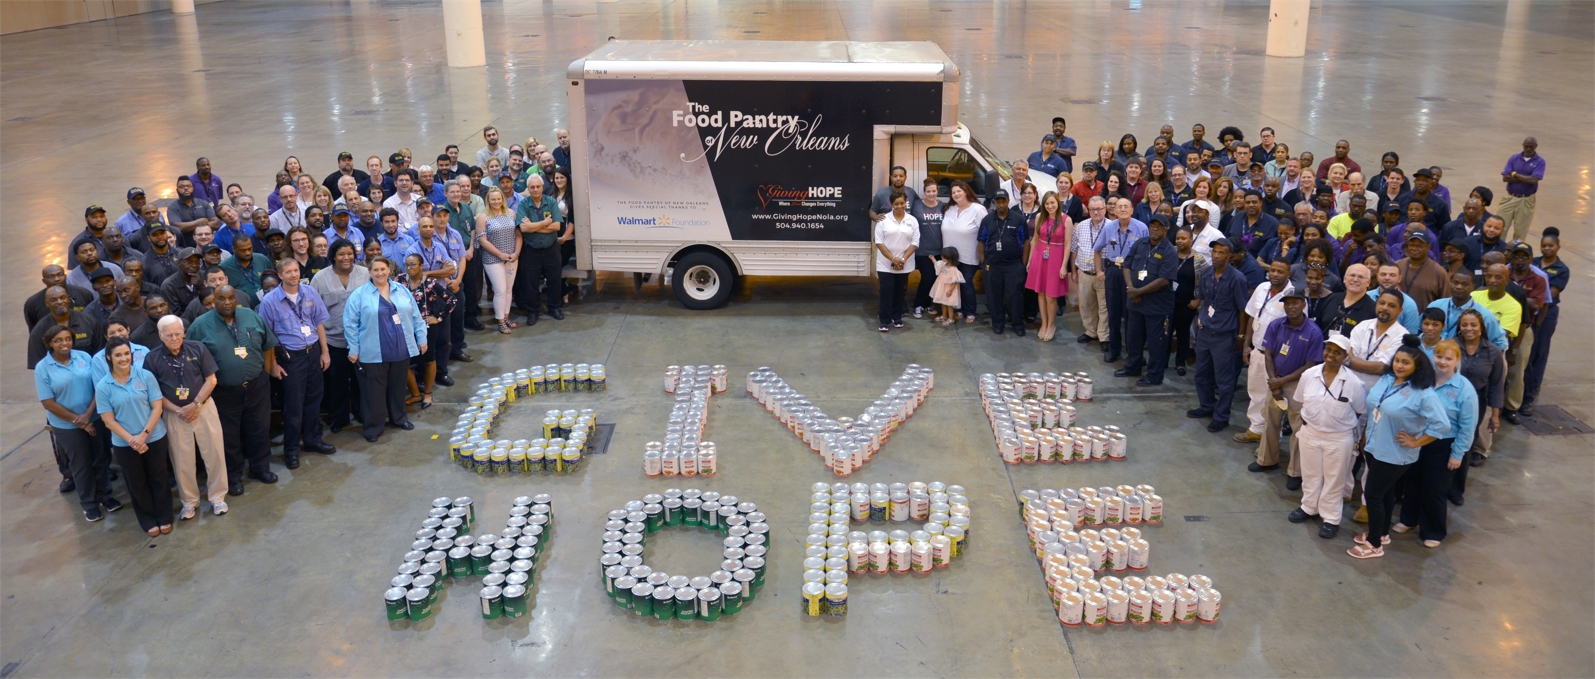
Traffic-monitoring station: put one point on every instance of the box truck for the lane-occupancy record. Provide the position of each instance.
(708, 160)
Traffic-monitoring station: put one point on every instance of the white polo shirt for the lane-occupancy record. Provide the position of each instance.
(1368, 344)
(1266, 306)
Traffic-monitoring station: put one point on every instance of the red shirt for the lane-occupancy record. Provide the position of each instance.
(1535, 288)
(1086, 190)
(1323, 167)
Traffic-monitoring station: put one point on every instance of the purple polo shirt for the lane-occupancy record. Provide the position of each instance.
(1291, 347)
(1528, 167)
(211, 191)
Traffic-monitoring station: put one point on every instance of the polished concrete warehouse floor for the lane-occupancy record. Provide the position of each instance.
(289, 582)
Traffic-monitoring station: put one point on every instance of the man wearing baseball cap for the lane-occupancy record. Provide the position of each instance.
(1421, 277)
(1047, 160)
(1221, 296)
(1002, 242)
(1331, 401)
(93, 230)
(1289, 346)
(341, 228)
(133, 220)
(346, 168)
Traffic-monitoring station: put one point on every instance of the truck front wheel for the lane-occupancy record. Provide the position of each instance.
(702, 281)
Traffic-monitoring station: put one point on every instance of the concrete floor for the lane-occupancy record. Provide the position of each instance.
(289, 582)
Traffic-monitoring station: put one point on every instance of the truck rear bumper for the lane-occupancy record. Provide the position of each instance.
(751, 258)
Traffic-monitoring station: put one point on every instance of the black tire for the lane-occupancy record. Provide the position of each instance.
(702, 280)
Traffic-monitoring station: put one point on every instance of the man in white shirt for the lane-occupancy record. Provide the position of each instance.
(1358, 185)
(1373, 344)
(492, 150)
(1091, 292)
(1332, 407)
(1265, 306)
(403, 200)
(1021, 175)
(289, 215)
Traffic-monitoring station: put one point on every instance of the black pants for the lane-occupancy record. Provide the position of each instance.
(457, 325)
(382, 390)
(966, 291)
(536, 276)
(1118, 300)
(1424, 489)
(1540, 354)
(302, 389)
(1379, 491)
(471, 288)
(1217, 365)
(1459, 478)
(148, 477)
(88, 464)
(62, 463)
(893, 286)
(1181, 331)
(1003, 283)
(926, 266)
(245, 412)
(1148, 333)
(342, 388)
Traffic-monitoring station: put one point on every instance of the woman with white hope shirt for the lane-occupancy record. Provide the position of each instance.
(896, 238)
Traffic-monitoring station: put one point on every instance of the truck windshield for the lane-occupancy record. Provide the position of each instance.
(997, 163)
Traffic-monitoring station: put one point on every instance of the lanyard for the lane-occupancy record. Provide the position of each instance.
(233, 328)
(1341, 397)
(249, 274)
(294, 307)
(1392, 392)
(1374, 348)
(180, 366)
(428, 255)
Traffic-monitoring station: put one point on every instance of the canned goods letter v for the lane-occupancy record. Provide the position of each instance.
(843, 443)
(444, 550)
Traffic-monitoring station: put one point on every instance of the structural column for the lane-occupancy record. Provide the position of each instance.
(1287, 27)
(462, 33)
(182, 6)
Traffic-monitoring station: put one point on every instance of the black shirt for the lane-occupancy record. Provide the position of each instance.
(147, 336)
(1147, 263)
(34, 309)
(85, 235)
(187, 369)
(331, 182)
(87, 336)
(1334, 316)
(1004, 238)
(178, 292)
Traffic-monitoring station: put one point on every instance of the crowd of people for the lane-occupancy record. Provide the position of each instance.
(171, 334)
(1386, 337)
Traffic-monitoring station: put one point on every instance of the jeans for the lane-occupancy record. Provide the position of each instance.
(926, 266)
(501, 275)
(893, 286)
(966, 291)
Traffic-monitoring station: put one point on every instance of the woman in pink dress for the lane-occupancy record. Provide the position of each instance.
(1049, 261)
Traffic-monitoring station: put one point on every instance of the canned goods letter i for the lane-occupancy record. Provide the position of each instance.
(833, 553)
(563, 441)
(683, 452)
(445, 549)
(634, 586)
(844, 444)
(1094, 559)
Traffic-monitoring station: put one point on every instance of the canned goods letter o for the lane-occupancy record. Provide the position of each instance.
(445, 550)
(649, 593)
(844, 444)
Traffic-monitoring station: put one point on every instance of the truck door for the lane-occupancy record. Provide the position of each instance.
(944, 164)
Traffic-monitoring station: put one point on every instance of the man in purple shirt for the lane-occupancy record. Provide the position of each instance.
(297, 316)
(1522, 176)
(1291, 345)
(207, 187)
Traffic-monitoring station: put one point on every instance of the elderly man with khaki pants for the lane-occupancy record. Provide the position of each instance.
(1090, 291)
(187, 375)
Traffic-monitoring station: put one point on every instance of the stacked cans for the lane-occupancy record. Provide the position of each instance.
(834, 551)
(636, 587)
(444, 549)
(683, 452)
(1090, 572)
(566, 434)
(1106, 506)
(1032, 418)
(843, 443)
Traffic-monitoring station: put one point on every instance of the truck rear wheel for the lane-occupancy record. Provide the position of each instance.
(702, 280)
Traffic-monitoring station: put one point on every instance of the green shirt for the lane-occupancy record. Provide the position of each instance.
(246, 281)
(549, 209)
(463, 220)
(248, 332)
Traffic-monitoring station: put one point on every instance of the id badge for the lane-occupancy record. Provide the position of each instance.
(1141, 275)
(1376, 416)
(1284, 349)
(304, 330)
(182, 393)
(1210, 312)
(240, 352)
(396, 319)
(999, 245)
(1046, 254)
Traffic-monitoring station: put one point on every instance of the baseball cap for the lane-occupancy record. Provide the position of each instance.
(1049, 137)
(395, 158)
(1000, 195)
(135, 191)
(341, 210)
(102, 272)
(342, 155)
(1392, 207)
(1424, 172)
(1458, 243)
(1221, 241)
(1294, 293)
(1215, 163)
(1257, 164)
(1157, 219)
(274, 232)
(1341, 341)
(185, 253)
(210, 247)
(1418, 234)
(1521, 246)
(92, 209)
(1089, 165)
(157, 226)
(1323, 189)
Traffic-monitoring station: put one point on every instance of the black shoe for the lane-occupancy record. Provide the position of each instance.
(461, 357)
(1456, 499)
(68, 485)
(405, 425)
(531, 320)
(1144, 382)
(1477, 461)
(323, 448)
(1179, 370)
(445, 381)
(115, 475)
(474, 325)
(1215, 426)
(336, 428)
(556, 314)
(1125, 372)
(266, 476)
(235, 487)
(290, 460)
(1254, 467)
(1526, 410)
(1300, 516)
(92, 514)
(1511, 416)
(1084, 339)
(1110, 358)
(1328, 531)
(898, 325)
(110, 504)
(1292, 483)
(1019, 330)
(1103, 346)
(371, 439)
(996, 330)
(1196, 413)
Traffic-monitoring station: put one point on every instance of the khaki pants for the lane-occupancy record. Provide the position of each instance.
(1326, 468)
(1268, 448)
(1517, 213)
(1257, 389)
(1483, 438)
(1514, 372)
(1092, 295)
(207, 430)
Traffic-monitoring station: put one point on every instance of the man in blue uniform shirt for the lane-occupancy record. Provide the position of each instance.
(1003, 242)
(1111, 248)
(1149, 273)
(1221, 296)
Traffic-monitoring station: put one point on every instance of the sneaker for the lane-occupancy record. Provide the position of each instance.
(884, 328)
(219, 508)
(1248, 436)
(187, 513)
(919, 312)
(1431, 544)
(897, 324)
(1361, 516)
(1299, 516)
(1328, 531)
(110, 504)
(1365, 552)
(67, 485)
(93, 514)
(1400, 528)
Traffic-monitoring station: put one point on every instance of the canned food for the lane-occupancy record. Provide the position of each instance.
(836, 599)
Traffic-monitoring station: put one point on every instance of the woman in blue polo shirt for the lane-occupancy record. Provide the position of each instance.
(129, 403)
(1404, 415)
(64, 380)
(1427, 484)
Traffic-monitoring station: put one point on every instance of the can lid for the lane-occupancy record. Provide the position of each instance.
(664, 592)
(836, 590)
(417, 595)
(686, 594)
(731, 588)
(813, 589)
(514, 591)
(492, 592)
(395, 594)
